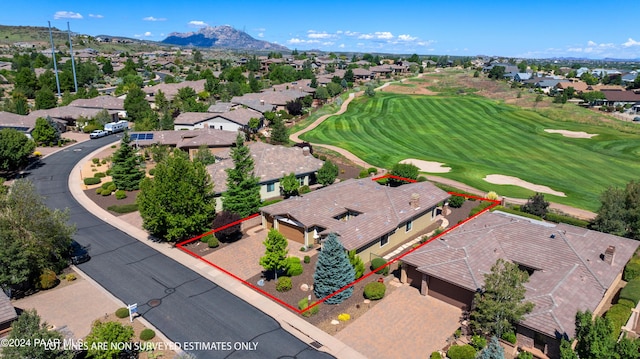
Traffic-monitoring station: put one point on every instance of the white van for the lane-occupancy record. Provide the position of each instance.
(114, 127)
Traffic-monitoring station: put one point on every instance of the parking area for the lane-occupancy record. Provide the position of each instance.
(407, 325)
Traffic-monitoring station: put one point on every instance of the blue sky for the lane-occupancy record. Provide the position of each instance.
(537, 29)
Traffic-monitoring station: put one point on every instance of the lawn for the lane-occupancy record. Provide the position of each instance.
(476, 136)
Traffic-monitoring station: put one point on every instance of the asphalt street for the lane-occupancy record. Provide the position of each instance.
(185, 306)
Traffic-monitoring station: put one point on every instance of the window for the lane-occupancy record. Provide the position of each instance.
(301, 181)
(271, 187)
(408, 226)
(384, 240)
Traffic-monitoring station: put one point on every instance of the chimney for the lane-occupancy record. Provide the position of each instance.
(306, 151)
(262, 102)
(415, 201)
(610, 254)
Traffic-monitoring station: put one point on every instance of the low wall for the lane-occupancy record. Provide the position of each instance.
(256, 221)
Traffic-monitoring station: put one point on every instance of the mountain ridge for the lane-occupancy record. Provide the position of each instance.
(223, 36)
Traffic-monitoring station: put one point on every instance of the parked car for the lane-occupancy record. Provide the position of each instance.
(98, 134)
(636, 119)
(78, 253)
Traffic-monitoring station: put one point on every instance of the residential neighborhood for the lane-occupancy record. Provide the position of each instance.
(215, 194)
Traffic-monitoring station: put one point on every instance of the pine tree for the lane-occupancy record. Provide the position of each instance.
(243, 193)
(275, 254)
(493, 350)
(125, 169)
(333, 271)
(356, 263)
(278, 132)
(328, 173)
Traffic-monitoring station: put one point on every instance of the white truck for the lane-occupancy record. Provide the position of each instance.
(114, 127)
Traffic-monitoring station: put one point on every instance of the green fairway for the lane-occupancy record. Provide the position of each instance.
(476, 137)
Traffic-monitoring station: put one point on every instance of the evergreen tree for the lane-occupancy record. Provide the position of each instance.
(328, 173)
(356, 263)
(125, 169)
(493, 350)
(178, 201)
(135, 104)
(279, 134)
(333, 271)
(275, 254)
(107, 68)
(45, 99)
(28, 328)
(243, 193)
(204, 156)
(536, 205)
(166, 121)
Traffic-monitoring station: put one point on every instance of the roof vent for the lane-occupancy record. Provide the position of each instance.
(552, 235)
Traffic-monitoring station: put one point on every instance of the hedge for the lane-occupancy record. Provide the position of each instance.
(461, 352)
(627, 303)
(516, 212)
(631, 291)
(92, 180)
(374, 290)
(477, 209)
(510, 337)
(618, 314)
(632, 270)
(294, 267)
(559, 218)
(100, 175)
(125, 208)
(304, 303)
(122, 312)
(284, 284)
(147, 334)
(377, 263)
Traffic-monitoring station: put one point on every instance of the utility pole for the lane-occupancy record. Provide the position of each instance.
(73, 64)
(55, 64)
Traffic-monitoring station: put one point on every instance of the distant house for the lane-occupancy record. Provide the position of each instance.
(620, 97)
(278, 99)
(171, 90)
(232, 120)
(24, 124)
(7, 313)
(361, 74)
(521, 76)
(190, 141)
(370, 218)
(271, 164)
(69, 115)
(579, 86)
(110, 103)
(570, 269)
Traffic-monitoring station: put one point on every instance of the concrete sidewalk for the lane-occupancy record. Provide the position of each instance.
(290, 321)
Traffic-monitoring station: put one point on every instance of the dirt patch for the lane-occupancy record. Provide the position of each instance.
(408, 90)
(428, 166)
(106, 201)
(515, 181)
(572, 134)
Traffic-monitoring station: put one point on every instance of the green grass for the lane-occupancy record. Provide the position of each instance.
(476, 137)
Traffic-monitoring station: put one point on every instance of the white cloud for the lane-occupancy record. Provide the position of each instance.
(351, 33)
(631, 42)
(591, 43)
(366, 36)
(66, 15)
(319, 35)
(197, 23)
(146, 34)
(341, 46)
(383, 35)
(296, 40)
(96, 16)
(151, 18)
(261, 34)
(328, 43)
(407, 38)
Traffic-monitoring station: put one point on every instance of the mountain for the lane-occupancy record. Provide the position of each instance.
(221, 37)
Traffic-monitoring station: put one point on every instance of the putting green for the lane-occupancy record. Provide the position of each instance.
(477, 137)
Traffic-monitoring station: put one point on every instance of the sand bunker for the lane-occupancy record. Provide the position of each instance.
(428, 166)
(572, 134)
(515, 181)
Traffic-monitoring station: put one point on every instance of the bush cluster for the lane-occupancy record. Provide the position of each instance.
(304, 189)
(435, 355)
(374, 290)
(147, 334)
(122, 312)
(304, 303)
(307, 259)
(631, 291)
(478, 342)
(91, 181)
(48, 279)
(461, 352)
(121, 194)
(618, 314)
(213, 242)
(559, 218)
(284, 284)
(632, 269)
(125, 208)
(377, 263)
(456, 201)
(510, 337)
(100, 175)
(294, 267)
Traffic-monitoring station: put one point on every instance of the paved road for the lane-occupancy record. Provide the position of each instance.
(191, 308)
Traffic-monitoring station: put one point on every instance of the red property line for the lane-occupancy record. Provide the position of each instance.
(299, 311)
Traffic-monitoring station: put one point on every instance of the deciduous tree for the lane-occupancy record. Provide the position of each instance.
(289, 185)
(27, 329)
(111, 333)
(45, 131)
(333, 271)
(230, 233)
(15, 149)
(536, 205)
(243, 193)
(204, 155)
(404, 170)
(328, 173)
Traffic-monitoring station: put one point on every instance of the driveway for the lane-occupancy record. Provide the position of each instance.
(407, 325)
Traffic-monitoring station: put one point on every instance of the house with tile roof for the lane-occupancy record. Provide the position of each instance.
(570, 269)
(171, 90)
(234, 120)
(7, 313)
(189, 141)
(370, 218)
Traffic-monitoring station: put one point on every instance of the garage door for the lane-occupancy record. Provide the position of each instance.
(414, 278)
(450, 293)
(291, 232)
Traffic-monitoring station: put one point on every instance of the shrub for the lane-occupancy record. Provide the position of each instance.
(510, 337)
(461, 352)
(99, 191)
(104, 161)
(478, 342)
(618, 314)
(111, 187)
(37, 153)
(284, 284)
(106, 192)
(492, 195)
(213, 242)
(373, 170)
(294, 267)
(152, 172)
(631, 291)
(627, 303)
(304, 303)
(631, 270)
(424, 179)
(48, 279)
(122, 312)
(124, 208)
(113, 146)
(435, 355)
(307, 259)
(363, 174)
(70, 277)
(106, 185)
(230, 233)
(479, 208)
(456, 201)
(304, 189)
(322, 158)
(121, 194)
(90, 128)
(559, 218)
(147, 334)
(91, 181)
(344, 317)
(100, 175)
(108, 172)
(525, 355)
(206, 238)
(377, 263)
(95, 160)
(374, 290)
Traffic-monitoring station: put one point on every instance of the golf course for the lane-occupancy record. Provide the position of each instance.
(477, 137)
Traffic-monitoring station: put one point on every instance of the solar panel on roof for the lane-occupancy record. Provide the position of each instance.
(134, 136)
(149, 136)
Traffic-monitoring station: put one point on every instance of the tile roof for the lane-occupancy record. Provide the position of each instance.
(7, 311)
(278, 98)
(240, 116)
(220, 107)
(569, 272)
(171, 90)
(8, 119)
(100, 102)
(64, 112)
(271, 163)
(194, 138)
(382, 208)
(621, 96)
